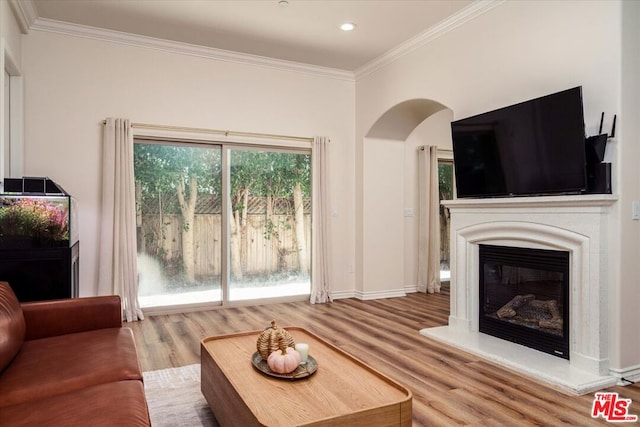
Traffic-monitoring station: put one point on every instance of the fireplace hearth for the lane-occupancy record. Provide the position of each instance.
(523, 297)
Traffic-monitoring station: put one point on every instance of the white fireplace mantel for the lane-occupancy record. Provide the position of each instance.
(578, 224)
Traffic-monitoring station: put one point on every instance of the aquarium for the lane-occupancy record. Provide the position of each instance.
(37, 219)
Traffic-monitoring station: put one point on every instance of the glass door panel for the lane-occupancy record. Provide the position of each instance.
(179, 223)
(445, 179)
(270, 224)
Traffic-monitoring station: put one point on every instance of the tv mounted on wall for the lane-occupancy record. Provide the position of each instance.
(536, 147)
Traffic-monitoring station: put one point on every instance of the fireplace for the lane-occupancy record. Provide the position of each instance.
(576, 228)
(524, 295)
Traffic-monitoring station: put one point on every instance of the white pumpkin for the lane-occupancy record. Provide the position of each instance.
(284, 360)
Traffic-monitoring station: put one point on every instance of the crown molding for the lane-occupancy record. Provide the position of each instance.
(25, 12)
(27, 17)
(470, 12)
(77, 30)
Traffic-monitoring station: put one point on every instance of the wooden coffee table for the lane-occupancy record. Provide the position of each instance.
(343, 391)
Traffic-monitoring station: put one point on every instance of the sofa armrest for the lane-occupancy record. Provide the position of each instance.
(67, 316)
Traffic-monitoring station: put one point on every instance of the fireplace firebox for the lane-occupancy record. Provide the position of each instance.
(524, 297)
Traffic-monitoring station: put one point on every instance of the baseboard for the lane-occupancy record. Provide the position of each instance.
(410, 289)
(343, 295)
(394, 293)
(627, 375)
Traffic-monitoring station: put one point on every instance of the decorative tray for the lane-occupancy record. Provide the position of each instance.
(302, 371)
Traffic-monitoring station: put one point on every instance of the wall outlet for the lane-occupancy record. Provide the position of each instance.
(408, 212)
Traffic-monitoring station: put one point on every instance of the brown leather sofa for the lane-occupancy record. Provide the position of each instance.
(68, 363)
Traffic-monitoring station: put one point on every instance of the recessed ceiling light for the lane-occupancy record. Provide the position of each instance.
(283, 3)
(347, 26)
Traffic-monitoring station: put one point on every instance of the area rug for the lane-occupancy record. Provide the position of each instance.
(175, 399)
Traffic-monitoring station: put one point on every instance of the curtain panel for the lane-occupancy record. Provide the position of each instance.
(429, 221)
(117, 262)
(320, 230)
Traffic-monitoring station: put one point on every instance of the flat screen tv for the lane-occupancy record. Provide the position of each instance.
(536, 147)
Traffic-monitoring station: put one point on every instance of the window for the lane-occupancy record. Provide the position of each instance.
(445, 183)
(221, 222)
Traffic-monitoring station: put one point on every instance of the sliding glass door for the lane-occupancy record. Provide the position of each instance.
(270, 223)
(219, 223)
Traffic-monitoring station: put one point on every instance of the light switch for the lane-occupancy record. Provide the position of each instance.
(635, 210)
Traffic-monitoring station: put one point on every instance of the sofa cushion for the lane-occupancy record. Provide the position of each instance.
(65, 363)
(120, 403)
(12, 327)
(45, 319)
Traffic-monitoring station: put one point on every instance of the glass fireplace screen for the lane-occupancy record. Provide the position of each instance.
(524, 296)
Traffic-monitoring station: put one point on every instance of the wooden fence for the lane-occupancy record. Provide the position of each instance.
(271, 252)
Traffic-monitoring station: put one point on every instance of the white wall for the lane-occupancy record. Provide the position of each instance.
(626, 316)
(72, 84)
(513, 52)
(383, 222)
(10, 32)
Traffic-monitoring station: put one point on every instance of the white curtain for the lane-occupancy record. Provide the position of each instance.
(320, 232)
(117, 261)
(429, 221)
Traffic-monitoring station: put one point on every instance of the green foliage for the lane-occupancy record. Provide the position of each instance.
(269, 173)
(271, 230)
(159, 168)
(264, 173)
(445, 180)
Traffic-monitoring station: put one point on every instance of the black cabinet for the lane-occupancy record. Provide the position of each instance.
(41, 273)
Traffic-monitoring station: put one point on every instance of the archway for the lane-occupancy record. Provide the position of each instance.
(389, 194)
(399, 121)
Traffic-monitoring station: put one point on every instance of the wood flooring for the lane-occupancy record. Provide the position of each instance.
(450, 387)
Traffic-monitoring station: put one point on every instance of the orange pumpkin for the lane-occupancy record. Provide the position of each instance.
(284, 360)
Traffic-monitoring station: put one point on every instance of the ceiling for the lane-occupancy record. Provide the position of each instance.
(303, 31)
